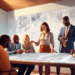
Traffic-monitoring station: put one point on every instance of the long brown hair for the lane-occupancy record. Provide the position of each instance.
(47, 26)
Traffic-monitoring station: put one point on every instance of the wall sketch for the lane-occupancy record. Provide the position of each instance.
(24, 23)
(13, 26)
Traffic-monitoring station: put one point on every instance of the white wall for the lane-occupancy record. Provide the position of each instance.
(41, 8)
(3, 22)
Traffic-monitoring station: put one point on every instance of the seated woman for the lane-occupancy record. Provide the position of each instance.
(27, 47)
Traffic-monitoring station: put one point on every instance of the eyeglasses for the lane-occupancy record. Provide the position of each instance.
(64, 22)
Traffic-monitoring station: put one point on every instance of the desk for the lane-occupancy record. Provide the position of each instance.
(47, 59)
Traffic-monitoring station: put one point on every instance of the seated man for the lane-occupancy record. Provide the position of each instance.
(4, 57)
(16, 47)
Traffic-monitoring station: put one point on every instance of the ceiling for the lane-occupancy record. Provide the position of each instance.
(9, 5)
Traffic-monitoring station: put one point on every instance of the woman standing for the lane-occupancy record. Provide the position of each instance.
(27, 47)
(45, 40)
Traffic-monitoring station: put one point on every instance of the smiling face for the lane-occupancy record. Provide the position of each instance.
(44, 28)
(65, 22)
(15, 39)
(27, 39)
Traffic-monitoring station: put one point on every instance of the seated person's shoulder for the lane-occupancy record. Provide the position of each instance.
(22, 44)
(2, 50)
(4, 53)
(19, 43)
(11, 44)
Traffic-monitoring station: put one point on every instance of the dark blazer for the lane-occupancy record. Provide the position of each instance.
(12, 47)
(70, 36)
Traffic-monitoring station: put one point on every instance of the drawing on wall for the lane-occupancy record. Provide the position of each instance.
(13, 27)
(30, 24)
(72, 15)
(24, 23)
(35, 17)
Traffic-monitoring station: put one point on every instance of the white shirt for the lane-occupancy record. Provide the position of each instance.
(24, 48)
(68, 28)
(15, 46)
(47, 40)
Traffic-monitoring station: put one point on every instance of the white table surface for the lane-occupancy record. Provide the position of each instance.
(44, 57)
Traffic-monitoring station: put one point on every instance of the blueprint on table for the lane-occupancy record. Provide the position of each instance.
(44, 57)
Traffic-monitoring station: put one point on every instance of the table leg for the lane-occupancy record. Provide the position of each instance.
(47, 70)
(40, 69)
(74, 71)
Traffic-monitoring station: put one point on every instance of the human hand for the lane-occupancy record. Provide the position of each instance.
(52, 50)
(19, 51)
(72, 52)
(29, 51)
(63, 38)
(32, 41)
(55, 51)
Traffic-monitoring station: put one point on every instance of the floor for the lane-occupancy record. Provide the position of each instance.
(36, 73)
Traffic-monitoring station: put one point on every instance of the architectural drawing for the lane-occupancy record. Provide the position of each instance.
(44, 57)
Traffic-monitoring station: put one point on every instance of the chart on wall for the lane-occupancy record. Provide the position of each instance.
(30, 24)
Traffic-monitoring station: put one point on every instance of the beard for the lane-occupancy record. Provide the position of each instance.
(7, 45)
(67, 24)
(16, 42)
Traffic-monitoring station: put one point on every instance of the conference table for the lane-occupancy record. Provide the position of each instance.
(46, 59)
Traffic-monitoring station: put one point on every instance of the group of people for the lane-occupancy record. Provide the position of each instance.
(46, 39)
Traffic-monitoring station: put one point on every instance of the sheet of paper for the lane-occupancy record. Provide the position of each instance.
(44, 57)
